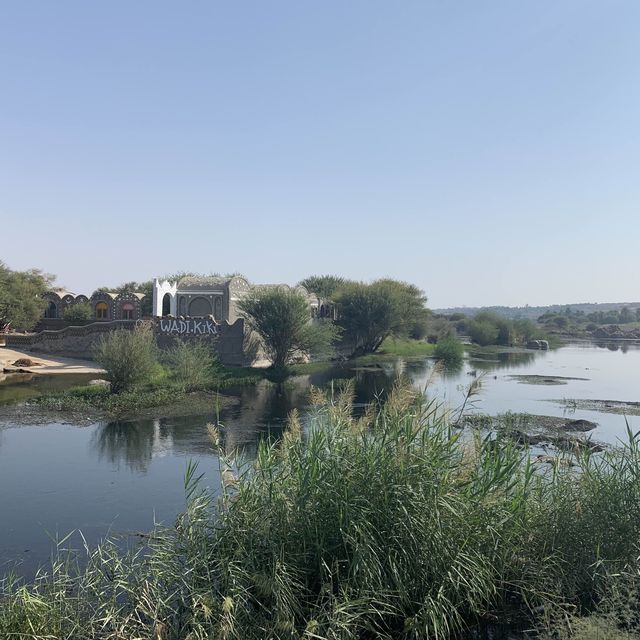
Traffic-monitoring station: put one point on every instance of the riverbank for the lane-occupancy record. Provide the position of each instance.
(163, 396)
(16, 361)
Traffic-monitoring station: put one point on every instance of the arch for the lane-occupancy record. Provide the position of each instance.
(52, 310)
(200, 306)
(102, 311)
(166, 304)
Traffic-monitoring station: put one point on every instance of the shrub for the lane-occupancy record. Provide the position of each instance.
(79, 312)
(192, 364)
(450, 351)
(483, 332)
(128, 357)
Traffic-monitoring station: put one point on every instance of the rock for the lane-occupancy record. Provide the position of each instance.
(97, 381)
(543, 345)
(25, 362)
(579, 425)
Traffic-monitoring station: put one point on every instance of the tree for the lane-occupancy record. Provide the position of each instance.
(324, 286)
(483, 332)
(129, 357)
(22, 301)
(79, 312)
(369, 313)
(282, 319)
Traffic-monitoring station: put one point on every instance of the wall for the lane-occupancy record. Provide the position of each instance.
(74, 342)
(233, 345)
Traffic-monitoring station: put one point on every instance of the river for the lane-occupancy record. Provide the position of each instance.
(120, 478)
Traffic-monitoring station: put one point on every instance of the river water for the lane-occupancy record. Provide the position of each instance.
(120, 478)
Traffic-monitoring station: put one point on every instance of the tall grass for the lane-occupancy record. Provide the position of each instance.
(389, 525)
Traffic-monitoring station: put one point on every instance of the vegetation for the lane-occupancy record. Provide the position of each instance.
(192, 364)
(128, 357)
(389, 526)
(370, 313)
(80, 312)
(21, 297)
(449, 351)
(281, 318)
(327, 287)
(405, 347)
(487, 328)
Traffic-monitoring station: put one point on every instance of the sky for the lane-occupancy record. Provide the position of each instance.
(487, 151)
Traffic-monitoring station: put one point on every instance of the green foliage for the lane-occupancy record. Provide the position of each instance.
(192, 364)
(483, 332)
(488, 328)
(390, 525)
(449, 351)
(326, 287)
(369, 313)
(129, 357)
(281, 317)
(21, 297)
(406, 347)
(79, 312)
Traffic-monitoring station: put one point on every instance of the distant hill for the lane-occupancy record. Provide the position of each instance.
(535, 312)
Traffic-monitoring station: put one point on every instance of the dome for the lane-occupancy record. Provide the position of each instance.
(198, 283)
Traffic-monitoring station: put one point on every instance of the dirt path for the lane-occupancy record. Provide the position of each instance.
(48, 363)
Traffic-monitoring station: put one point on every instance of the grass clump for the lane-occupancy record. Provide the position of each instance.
(387, 525)
(406, 347)
(193, 365)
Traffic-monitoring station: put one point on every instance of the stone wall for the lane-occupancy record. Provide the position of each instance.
(234, 346)
(73, 342)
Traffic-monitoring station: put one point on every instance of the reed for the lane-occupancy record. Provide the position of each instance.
(392, 524)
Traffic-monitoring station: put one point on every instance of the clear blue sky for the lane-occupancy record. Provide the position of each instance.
(488, 151)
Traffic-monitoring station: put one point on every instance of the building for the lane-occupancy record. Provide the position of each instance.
(105, 306)
(198, 297)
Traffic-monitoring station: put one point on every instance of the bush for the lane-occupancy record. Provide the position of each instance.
(449, 351)
(79, 312)
(129, 357)
(192, 364)
(483, 332)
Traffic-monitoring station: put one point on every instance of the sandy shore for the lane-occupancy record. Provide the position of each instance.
(48, 363)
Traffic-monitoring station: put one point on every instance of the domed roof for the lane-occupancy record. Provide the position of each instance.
(201, 283)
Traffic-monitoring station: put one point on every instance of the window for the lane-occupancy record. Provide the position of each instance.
(102, 311)
(51, 311)
(128, 311)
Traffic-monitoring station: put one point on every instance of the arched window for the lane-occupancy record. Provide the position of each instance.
(51, 311)
(166, 304)
(128, 311)
(102, 311)
(200, 307)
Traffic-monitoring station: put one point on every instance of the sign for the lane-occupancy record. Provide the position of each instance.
(190, 327)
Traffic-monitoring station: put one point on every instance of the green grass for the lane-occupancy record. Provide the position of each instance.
(390, 525)
(406, 347)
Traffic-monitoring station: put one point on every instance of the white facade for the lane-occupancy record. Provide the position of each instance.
(160, 289)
